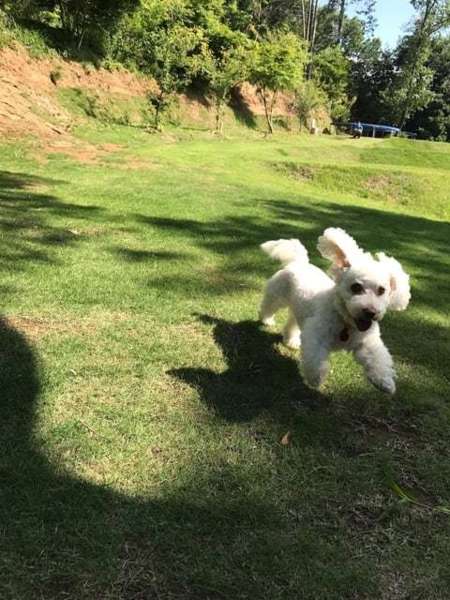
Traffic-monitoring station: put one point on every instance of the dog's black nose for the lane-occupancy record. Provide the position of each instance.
(368, 314)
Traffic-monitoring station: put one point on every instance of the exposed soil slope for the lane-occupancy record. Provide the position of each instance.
(32, 90)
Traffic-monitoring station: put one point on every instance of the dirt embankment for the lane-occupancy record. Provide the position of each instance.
(29, 102)
(30, 98)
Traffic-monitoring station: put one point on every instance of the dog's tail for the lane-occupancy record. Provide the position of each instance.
(286, 251)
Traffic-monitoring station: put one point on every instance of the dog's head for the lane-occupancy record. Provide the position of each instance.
(365, 286)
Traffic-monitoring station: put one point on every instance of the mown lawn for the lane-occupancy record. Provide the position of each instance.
(143, 405)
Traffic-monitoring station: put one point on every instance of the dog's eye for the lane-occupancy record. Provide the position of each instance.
(380, 291)
(357, 288)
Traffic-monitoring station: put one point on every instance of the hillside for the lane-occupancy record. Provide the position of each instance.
(48, 97)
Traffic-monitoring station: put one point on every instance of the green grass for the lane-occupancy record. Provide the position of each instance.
(143, 405)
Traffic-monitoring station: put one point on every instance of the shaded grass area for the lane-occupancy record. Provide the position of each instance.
(143, 405)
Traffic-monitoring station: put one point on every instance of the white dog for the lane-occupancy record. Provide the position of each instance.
(340, 312)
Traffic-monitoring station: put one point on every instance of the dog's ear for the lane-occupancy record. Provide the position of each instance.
(339, 247)
(400, 293)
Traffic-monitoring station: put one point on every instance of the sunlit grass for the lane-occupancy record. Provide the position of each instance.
(144, 406)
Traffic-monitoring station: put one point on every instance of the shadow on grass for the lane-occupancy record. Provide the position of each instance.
(138, 256)
(210, 537)
(241, 109)
(212, 533)
(24, 207)
(257, 379)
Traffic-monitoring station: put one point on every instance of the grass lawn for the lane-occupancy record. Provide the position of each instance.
(142, 406)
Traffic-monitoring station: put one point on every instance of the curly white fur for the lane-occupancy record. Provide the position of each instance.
(340, 312)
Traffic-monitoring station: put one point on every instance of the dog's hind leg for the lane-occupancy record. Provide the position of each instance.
(269, 306)
(275, 298)
(291, 332)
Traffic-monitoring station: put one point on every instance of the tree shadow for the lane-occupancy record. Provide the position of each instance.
(210, 537)
(241, 109)
(421, 245)
(139, 256)
(258, 377)
(64, 537)
(418, 243)
(25, 206)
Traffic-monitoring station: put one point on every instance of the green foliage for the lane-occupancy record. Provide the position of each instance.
(12, 31)
(277, 65)
(433, 121)
(331, 73)
(224, 72)
(156, 42)
(309, 97)
(410, 90)
(5, 32)
(87, 21)
(105, 109)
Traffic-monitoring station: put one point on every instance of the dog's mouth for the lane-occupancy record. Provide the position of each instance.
(363, 324)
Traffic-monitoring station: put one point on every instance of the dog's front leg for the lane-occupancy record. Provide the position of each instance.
(314, 363)
(377, 362)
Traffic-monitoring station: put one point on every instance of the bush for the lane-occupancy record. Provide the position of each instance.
(309, 97)
(278, 64)
(5, 32)
(332, 73)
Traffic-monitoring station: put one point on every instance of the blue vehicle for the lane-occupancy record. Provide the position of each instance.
(357, 129)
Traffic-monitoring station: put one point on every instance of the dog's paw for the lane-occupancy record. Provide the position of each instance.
(268, 321)
(385, 384)
(314, 378)
(292, 342)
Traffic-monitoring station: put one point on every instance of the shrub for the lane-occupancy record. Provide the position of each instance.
(309, 97)
(278, 64)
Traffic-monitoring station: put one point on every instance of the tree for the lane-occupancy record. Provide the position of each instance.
(433, 121)
(277, 65)
(172, 65)
(411, 88)
(157, 42)
(366, 12)
(226, 72)
(335, 12)
(81, 18)
(370, 78)
(309, 97)
(331, 73)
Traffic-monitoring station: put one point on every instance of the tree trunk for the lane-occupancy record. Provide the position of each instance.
(219, 115)
(312, 40)
(267, 111)
(304, 19)
(341, 21)
(158, 114)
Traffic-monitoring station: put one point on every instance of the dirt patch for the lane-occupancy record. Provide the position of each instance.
(388, 187)
(379, 183)
(46, 97)
(137, 165)
(35, 328)
(29, 103)
(284, 106)
(295, 170)
(76, 150)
